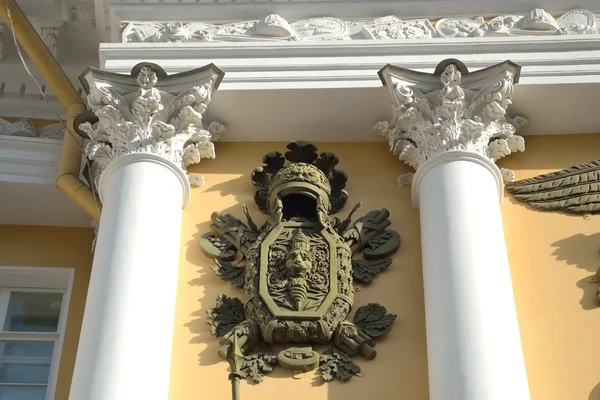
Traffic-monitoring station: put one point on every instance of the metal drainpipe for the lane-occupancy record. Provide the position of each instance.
(70, 157)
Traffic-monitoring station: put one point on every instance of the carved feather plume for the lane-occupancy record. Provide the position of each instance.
(573, 190)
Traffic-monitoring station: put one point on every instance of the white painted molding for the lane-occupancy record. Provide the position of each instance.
(25, 127)
(46, 279)
(29, 160)
(558, 72)
(20, 98)
(310, 65)
(451, 110)
(36, 277)
(28, 170)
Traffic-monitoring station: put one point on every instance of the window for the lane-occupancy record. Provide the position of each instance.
(33, 308)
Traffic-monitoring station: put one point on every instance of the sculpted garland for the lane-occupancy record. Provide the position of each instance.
(298, 273)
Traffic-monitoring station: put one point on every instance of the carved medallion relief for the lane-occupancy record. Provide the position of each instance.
(298, 272)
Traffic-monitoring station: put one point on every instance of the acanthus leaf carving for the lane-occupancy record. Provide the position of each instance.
(460, 118)
(146, 116)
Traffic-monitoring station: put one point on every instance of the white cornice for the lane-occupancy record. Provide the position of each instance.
(290, 65)
(28, 160)
(342, 96)
(28, 168)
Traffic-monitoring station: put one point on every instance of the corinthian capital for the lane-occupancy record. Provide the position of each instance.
(148, 111)
(451, 109)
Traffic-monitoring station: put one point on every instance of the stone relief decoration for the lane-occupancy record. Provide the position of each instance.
(297, 271)
(437, 113)
(49, 36)
(150, 112)
(276, 28)
(575, 190)
(25, 127)
(536, 22)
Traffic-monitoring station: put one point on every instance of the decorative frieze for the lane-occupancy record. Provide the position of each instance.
(149, 112)
(276, 28)
(536, 22)
(25, 127)
(451, 109)
(49, 36)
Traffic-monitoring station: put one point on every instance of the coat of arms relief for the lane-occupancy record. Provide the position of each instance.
(298, 271)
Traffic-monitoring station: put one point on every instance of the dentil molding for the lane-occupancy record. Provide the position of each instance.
(148, 112)
(451, 109)
(276, 28)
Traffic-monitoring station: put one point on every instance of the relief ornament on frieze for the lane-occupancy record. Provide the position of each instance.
(297, 271)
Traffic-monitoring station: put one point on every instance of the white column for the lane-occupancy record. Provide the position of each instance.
(126, 338)
(144, 131)
(452, 133)
(473, 343)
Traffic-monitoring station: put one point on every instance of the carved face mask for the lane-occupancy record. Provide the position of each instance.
(298, 263)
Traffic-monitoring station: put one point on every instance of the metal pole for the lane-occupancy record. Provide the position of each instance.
(235, 385)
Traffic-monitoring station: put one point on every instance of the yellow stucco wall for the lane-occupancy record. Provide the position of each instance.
(551, 257)
(34, 246)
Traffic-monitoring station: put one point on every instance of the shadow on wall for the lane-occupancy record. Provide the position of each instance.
(212, 285)
(595, 394)
(578, 250)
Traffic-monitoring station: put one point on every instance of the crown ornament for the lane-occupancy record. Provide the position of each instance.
(300, 242)
(300, 170)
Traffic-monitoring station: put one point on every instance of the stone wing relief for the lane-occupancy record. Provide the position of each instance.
(574, 190)
(297, 271)
(276, 28)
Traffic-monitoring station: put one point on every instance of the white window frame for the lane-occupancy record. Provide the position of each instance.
(39, 279)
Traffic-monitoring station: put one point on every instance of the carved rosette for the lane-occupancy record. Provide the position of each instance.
(437, 113)
(149, 112)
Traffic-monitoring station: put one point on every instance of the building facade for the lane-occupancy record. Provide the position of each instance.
(131, 131)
